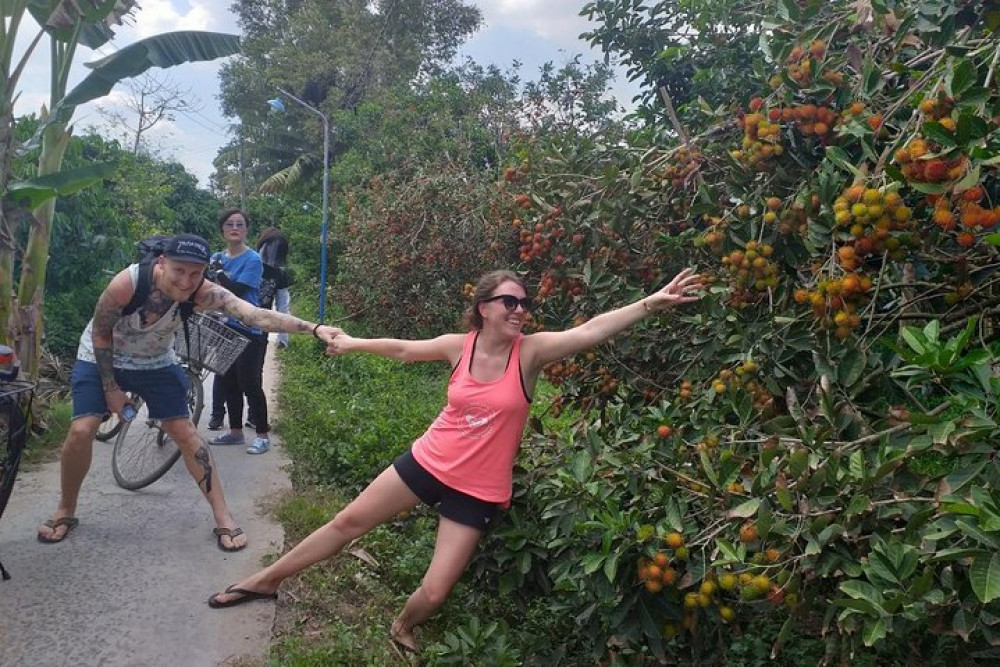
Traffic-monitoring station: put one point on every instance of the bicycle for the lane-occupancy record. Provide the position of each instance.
(16, 397)
(206, 345)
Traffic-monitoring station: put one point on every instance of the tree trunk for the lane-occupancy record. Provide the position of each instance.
(6, 232)
(31, 291)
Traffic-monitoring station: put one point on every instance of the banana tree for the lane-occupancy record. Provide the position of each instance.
(67, 24)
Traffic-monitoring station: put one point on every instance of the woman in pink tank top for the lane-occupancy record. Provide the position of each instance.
(463, 463)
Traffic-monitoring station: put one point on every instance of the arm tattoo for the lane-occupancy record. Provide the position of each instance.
(105, 358)
(106, 315)
(204, 459)
(217, 298)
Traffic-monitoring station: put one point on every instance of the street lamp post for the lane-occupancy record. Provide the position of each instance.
(278, 104)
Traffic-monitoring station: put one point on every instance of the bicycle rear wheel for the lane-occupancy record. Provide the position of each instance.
(13, 435)
(142, 455)
(195, 400)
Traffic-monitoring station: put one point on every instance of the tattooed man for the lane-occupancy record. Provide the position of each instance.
(122, 352)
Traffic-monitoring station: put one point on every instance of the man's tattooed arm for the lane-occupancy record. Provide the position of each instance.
(215, 297)
(106, 315)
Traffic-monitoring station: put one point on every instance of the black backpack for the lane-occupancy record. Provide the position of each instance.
(147, 251)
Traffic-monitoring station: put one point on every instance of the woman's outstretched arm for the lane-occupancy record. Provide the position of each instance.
(547, 346)
(443, 348)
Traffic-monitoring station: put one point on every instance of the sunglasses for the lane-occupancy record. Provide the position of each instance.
(511, 302)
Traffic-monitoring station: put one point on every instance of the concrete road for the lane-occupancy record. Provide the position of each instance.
(128, 587)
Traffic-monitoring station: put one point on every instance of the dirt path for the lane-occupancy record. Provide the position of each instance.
(128, 587)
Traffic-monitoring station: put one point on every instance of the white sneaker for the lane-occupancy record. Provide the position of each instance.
(259, 446)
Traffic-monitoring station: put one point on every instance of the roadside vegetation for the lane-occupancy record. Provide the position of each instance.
(798, 470)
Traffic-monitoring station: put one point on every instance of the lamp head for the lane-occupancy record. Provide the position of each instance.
(277, 103)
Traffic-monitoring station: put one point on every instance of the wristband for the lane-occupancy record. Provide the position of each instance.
(315, 329)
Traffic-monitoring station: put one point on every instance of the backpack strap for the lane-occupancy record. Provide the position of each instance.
(186, 309)
(143, 286)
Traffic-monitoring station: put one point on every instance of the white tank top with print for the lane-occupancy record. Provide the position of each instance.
(138, 347)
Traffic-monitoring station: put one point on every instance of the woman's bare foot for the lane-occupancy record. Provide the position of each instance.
(251, 588)
(405, 639)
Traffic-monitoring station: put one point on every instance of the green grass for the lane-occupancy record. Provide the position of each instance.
(44, 447)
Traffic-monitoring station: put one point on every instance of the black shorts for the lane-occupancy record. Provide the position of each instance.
(455, 505)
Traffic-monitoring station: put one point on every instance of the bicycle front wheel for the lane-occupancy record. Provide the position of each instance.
(13, 435)
(142, 453)
(109, 428)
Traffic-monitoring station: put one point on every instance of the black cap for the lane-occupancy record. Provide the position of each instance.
(188, 248)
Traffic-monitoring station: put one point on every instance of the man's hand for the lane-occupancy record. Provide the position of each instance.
(327, 334)
(116, 400)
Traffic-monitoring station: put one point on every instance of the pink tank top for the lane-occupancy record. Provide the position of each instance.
(472, 444)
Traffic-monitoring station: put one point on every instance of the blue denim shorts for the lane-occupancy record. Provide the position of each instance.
(163, 389)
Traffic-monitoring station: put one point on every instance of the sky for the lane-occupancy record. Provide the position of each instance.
(530, 31)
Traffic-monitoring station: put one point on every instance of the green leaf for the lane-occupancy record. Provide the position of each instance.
(915, 339)
(851, 367)
(837, 156)
(592, 563)
(744, 510)
(970, 129)
(673, 515)
(958, 479)
(859, 503)
(874, 631)
(961, 78)
(862, 590)
(582, 466)
(935, 131)
(32, 193)
(985, 576)
(611, 566)
(166, 50)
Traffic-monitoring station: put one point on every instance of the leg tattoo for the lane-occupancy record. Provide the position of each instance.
(204, 459)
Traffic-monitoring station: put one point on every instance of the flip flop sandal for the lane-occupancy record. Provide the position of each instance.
(230, 533)
(68, 521)
(247, 596)
(406, 653)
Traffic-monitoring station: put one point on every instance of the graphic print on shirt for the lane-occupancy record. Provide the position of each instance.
(477, 421)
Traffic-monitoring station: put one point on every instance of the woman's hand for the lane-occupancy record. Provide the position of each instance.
(339, 344)
(682, 289)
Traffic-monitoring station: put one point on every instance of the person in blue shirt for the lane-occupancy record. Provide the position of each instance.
(240, 270)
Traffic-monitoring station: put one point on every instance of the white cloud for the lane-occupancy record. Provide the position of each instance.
(159, 16)
(557, 21)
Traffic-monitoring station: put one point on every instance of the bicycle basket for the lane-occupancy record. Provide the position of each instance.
(210, 343)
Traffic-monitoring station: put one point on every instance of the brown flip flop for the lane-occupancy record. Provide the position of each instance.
(69, 521)
(230, 533)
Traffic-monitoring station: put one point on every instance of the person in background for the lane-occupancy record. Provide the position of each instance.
(240, 270)
(272, 245)
(464, 462)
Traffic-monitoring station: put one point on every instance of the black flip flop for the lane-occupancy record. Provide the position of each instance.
(68, 521)
(248, 596)
(230, 533)
(406, 653)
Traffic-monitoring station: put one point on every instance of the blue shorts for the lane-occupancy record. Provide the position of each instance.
(163, 389)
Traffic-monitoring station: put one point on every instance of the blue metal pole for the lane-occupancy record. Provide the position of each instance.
(326, 213)
(279, 105)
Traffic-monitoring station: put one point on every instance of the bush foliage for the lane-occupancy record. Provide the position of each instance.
(814, 441)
